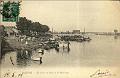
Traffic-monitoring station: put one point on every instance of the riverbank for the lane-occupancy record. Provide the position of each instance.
(18, 45)
(31, 43)
(105, 53)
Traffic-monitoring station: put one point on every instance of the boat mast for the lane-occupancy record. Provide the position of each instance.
(52, 32)
(84, 30)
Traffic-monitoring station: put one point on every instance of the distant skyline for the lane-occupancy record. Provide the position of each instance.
(94, 16)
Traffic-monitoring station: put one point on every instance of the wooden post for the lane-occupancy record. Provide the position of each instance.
(40, 60)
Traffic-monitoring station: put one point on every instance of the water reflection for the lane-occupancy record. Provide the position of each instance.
(115, 37)
(23, 57)
(64, 50)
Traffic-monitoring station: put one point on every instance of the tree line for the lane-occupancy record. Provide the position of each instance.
(28, 27)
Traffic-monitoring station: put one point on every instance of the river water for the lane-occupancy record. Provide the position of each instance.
(100, 51)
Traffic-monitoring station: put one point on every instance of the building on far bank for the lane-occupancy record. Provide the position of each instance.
(76, 31)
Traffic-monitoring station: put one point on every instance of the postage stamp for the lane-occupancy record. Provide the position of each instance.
(10, 11)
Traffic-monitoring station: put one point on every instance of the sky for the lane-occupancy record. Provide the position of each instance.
(94, 16)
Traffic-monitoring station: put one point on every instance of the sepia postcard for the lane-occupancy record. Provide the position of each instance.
(59, 39)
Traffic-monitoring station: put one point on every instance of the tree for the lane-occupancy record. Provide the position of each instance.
(26, 26)
(36, 26)
(44, 28)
